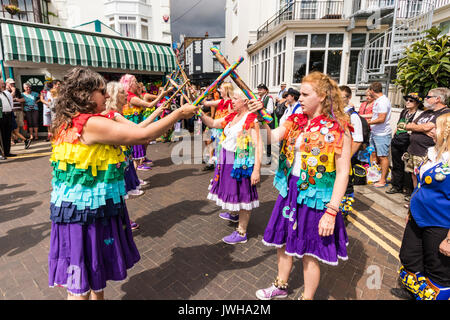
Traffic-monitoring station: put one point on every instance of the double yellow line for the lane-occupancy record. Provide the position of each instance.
(373, 236)
(31, 155)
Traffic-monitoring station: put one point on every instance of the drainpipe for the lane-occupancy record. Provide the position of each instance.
(11, 72)
(3, 70)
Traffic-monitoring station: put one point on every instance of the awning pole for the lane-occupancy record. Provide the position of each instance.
(3, 70)
(11, 72)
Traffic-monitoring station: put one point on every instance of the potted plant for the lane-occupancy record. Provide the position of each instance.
(11, 9)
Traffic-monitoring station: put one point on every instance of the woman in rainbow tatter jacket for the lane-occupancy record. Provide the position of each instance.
(425, 251)
(312, 178)
(91, 240)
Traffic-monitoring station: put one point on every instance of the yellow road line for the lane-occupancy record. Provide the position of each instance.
(31, 155)
(377, 228)
(374, 237)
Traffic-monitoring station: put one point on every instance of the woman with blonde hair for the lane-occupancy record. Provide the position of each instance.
(233, 187)
(312, 178)
(425, 250)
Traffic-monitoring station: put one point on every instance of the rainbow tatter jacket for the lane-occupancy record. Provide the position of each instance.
(88, 181)
(244, 156)
(322, 139)
(134, 114)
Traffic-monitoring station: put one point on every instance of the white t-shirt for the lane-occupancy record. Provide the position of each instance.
(231, 133)
(7, 101)
(290, 111)
(357, 134)
(432, 155)
(381, 105)
(297, 165)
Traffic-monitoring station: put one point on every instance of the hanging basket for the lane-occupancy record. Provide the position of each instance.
(12, 9)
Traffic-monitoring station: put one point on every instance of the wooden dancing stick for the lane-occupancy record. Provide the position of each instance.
(185, 78)
(240, 83)
(174, 95)
(176, 86)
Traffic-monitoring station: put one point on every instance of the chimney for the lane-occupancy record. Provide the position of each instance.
(206, 34)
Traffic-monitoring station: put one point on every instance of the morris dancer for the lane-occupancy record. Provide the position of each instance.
(312, 178)
(219, 109)
(91, 240)
(425, 251)
(238, 169)
(134, 112)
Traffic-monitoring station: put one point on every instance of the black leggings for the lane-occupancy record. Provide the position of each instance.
(420, 252)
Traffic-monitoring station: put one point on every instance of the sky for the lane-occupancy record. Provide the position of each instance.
(196, 17)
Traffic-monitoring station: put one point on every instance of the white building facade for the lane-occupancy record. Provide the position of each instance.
(137, 19)
(283, 40)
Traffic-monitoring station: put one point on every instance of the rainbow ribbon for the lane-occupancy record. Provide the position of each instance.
(240, 83)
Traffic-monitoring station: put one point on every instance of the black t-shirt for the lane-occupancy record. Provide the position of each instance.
(419, 141)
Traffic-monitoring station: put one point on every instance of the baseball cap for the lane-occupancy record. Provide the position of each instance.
(10, 80)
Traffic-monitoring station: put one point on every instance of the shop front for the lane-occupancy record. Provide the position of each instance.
(34, 53)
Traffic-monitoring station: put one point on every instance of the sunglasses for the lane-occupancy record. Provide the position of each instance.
(428, 97)
(410, 100)
(102, 91)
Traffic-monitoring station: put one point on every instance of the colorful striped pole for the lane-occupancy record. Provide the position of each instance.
(240, 83)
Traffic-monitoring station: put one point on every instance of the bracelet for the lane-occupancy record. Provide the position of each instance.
(336, 209)
(333, 215)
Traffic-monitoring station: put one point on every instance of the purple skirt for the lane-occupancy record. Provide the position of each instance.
(229, 193)
(131, 178)
(139, 152)
(84, 257)
(298, 230)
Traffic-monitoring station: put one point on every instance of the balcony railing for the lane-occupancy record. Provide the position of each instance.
(405, 8)
(304, 10)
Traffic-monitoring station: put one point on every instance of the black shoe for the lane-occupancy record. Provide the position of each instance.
(27, 143)
(11, 155)
(208, 167)
(402, 293)
(393, 190)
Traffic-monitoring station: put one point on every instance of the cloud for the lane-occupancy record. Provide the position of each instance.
(207, 16)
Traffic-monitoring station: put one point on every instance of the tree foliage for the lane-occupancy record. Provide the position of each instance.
(426, 64)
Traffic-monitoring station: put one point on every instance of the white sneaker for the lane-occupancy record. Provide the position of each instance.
(142, 182)
(135, 192)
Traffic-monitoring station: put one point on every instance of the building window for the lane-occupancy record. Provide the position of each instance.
(144, 32)
(217, 67)
(26, 13)
(255, 70)
(265, 66)
(357, 43)
(279, 61)
(128, 30)
(318, 52)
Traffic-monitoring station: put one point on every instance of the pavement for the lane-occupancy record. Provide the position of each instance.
(182, 255)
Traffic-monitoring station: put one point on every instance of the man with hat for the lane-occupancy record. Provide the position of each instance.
(281, 93)
(268, 104)
(401, 181)
(436, 104)
(292, 105)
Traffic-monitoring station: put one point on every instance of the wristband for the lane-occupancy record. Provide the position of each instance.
(331, 214)
(329, 206)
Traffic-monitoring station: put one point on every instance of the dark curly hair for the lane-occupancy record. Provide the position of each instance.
(75, 96)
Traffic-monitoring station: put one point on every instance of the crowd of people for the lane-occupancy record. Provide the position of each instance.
(320, 134)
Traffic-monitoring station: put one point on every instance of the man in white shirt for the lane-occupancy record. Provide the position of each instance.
(7, 103)
(267, 100)
(381, 132)
(292, 104)
(281, 93)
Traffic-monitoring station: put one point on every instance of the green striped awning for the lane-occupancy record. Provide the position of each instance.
(52, 45)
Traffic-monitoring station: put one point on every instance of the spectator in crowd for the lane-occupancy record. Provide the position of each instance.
(268, 104)
(46, 112)
(51, 97)
(357, 142)
(31, 109)
(292, 105)
(366, 108)
(280, 108)
(283, 90)
(436, 104)
(6, 120)
(401, 180)
(381, 132)
(17, 123)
